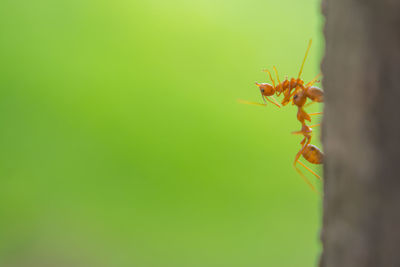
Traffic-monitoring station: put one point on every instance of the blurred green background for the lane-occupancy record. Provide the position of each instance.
(123, 144)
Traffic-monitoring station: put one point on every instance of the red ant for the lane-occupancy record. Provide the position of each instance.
(294, 90)
(286, 86)
(310, 152)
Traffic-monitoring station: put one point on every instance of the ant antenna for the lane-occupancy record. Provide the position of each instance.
(304, 60)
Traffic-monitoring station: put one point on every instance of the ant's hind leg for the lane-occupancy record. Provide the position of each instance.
(307, 168)
(297, 169)
(316, 113)
(305, 142)
(306, 180)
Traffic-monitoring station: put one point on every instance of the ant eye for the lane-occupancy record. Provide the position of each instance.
(262, 90)
(295, 96)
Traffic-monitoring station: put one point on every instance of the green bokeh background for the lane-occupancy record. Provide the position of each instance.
(123, 144)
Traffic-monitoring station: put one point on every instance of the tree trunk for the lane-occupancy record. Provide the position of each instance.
(361, 134)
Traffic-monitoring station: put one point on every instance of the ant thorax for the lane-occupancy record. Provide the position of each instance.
(296, 83)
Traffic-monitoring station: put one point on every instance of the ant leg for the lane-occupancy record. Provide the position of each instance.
(313, 80)
(309, 104)
(286, 94)
(297, 169)
(305, 56)
(295, 91)
(307, 168)
(315, 125)
(263, 98)
(288, 97)
(302, 142)
(297, 132)
(316, 113)
(306, 180)
(276, 72)
(279, 81)
(305, 142)
(273, 102)
(251, 103)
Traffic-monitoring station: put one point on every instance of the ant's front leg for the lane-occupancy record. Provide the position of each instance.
(273, 101)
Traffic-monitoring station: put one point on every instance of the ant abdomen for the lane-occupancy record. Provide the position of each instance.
(313, 154)
(315, 94)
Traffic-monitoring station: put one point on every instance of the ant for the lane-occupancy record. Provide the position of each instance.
(296, 92)
(286, 86)
(310, 152)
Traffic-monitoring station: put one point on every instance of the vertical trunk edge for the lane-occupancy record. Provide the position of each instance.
(361, 134)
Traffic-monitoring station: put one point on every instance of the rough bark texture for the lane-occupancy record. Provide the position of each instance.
(361, 134)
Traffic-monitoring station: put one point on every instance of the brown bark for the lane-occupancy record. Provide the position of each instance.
(361, 134)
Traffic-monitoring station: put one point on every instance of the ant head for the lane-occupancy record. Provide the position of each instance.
(266, 89)
(299, 99)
